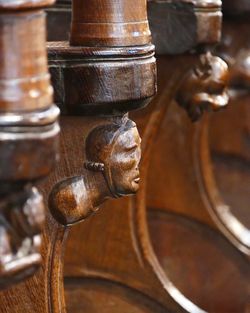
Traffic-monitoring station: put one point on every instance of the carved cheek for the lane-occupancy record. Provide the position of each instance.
(124, 172)
(129, 162)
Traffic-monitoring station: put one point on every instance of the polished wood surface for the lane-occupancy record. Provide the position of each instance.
(109, 23)
(28, 137)
(169, 248)
(181, 243)
(97, 86)
(116, 80)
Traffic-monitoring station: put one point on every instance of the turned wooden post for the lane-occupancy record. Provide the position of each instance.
(106, 70)
(109, 23)
(125, 254)
(28, 135)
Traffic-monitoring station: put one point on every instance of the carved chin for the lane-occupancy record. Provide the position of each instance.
(130, 189)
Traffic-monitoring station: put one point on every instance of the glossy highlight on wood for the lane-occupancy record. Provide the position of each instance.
(111, 171)
(109, 23)
(179, 242)
(28, 137)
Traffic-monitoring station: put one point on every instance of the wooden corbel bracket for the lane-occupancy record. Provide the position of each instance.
(204, 87)
(28, 136)
(106, 70)
(111, 170)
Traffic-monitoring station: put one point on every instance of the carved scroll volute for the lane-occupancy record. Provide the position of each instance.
(28, 135)
(204, 87)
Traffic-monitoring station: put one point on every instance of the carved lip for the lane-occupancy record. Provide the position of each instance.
(137, 180)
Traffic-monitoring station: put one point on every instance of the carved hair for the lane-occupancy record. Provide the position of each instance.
(99, 147)
(100, 142)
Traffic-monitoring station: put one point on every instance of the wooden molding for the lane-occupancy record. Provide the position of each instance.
(28, 136)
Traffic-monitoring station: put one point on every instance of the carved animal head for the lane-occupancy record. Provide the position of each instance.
(114, 149)
(204, 87)
(21, 218)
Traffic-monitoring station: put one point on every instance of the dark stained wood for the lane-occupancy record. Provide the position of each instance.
(204, 87)
(102, 83)
(168, 248)
(112, 156)
(234, 49)
(141, 270)
(101, 70)
(225, 150)
(229, 155)
(176, 26)
(28, 136)
(100, 146)
(24, 4)
(124, 254)
(110, 296)
(181, 26)
(109, 23)
(236, 7)
(58, 21)
(197, 259)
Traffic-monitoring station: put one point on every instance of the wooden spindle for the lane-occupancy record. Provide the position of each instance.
(28, 135)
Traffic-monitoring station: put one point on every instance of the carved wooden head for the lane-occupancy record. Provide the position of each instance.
(204, 87)
(112, 153)
(114, 149)
(21, 220)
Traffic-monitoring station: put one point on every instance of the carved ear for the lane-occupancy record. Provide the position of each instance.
(94, 166)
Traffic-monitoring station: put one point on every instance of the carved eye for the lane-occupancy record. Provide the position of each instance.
(132, 148)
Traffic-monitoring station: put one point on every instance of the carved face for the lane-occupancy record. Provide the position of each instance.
(114, 149)
(124, 162)
(204, 87)
(211, 87)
